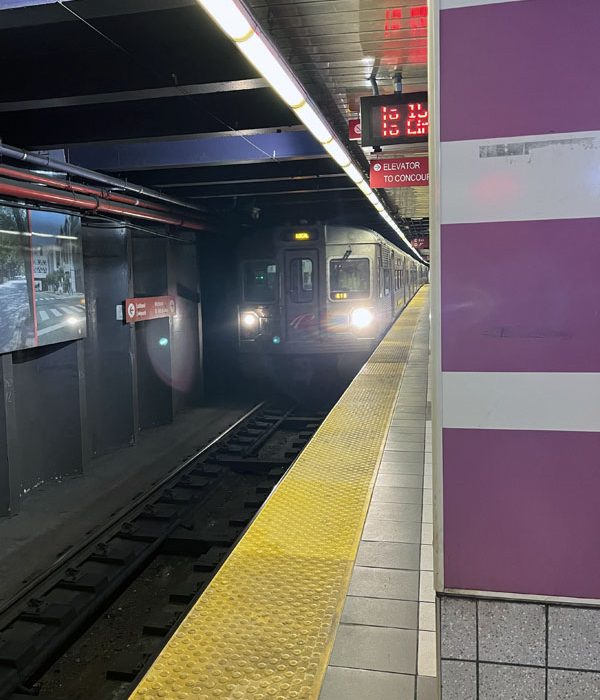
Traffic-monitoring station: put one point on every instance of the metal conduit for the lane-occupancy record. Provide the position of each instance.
(57, 197)
(85, 174)
(29, 176)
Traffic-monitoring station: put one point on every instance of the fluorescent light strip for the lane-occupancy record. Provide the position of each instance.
(353, 173)
(266, 63)
(229, 17)
(236, 22)
(364, 188)
(338, 153)
(313, 121)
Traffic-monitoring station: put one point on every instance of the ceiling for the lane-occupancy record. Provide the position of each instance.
(149, 90)
(336, 46)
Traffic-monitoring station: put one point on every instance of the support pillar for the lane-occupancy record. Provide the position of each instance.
(516, 254)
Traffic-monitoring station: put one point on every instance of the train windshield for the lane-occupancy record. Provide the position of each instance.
(260, 280)
(349, 279)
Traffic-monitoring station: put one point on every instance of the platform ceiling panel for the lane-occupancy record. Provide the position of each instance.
(149, 90)
(336, 46)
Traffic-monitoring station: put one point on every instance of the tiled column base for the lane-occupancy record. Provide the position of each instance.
(509, 650)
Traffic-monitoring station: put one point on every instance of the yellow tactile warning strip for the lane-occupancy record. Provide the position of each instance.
(264, 628)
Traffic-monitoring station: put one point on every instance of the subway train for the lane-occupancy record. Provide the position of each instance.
(315, 300)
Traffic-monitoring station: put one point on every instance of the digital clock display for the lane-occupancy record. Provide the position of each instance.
(410, 119)
(394, 119)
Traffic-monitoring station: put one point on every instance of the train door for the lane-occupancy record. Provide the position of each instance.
(301, 280)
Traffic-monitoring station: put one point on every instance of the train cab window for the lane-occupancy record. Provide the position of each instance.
(349, 279)
(301, 280)
(260, 281)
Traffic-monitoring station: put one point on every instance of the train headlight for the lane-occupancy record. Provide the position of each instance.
(361, 318)
(249, 320)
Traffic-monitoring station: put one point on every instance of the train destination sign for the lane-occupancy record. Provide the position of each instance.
(394, 119)
(148, 308)
(400, 172)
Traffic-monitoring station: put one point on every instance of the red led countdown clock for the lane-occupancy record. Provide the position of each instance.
(394, 119)
(411, 119)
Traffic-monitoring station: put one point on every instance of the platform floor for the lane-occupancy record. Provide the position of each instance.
(385, 646)
(265, 626)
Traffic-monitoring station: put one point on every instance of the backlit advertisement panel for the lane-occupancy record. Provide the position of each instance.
(41, 279)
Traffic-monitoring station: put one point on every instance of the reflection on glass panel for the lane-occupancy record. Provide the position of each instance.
(41, 278)
(260, 279)
(57, 264)
(301, 280)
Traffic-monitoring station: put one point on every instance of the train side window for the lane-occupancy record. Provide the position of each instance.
(386, 281)
(301, 280)
(260, 280)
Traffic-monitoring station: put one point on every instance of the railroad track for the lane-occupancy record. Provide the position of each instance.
(91, 624)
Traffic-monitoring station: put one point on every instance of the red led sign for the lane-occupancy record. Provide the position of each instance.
(394, 119)
(410, 119)
(418, 17)
(393, 19)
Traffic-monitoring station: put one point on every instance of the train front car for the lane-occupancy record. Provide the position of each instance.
(357, 311)
(314, 302)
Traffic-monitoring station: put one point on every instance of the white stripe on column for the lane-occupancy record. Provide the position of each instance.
(522, 400)
(449, 4)
(551, 176)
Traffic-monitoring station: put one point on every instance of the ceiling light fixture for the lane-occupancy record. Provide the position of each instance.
(237, 23)
(266, 63)
(338, 153)
(353, 173)
(313, 121)
(229, 17)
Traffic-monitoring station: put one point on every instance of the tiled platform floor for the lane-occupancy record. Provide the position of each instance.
(266, 624)
(385, 646)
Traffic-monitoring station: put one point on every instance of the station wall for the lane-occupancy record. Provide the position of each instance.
(67, 403)
(108, 366)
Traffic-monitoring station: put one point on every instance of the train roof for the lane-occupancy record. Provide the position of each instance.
(260, 241)
(335, 234)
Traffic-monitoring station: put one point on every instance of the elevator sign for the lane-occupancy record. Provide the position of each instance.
(147, 308)
(400, 172)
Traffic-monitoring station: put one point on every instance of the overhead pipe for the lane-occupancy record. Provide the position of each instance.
(29, 176)
(56, 197)
(85, 174)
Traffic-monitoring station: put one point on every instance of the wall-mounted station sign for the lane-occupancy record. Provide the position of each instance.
(147, 308)
(400, 172)
(387, 120)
